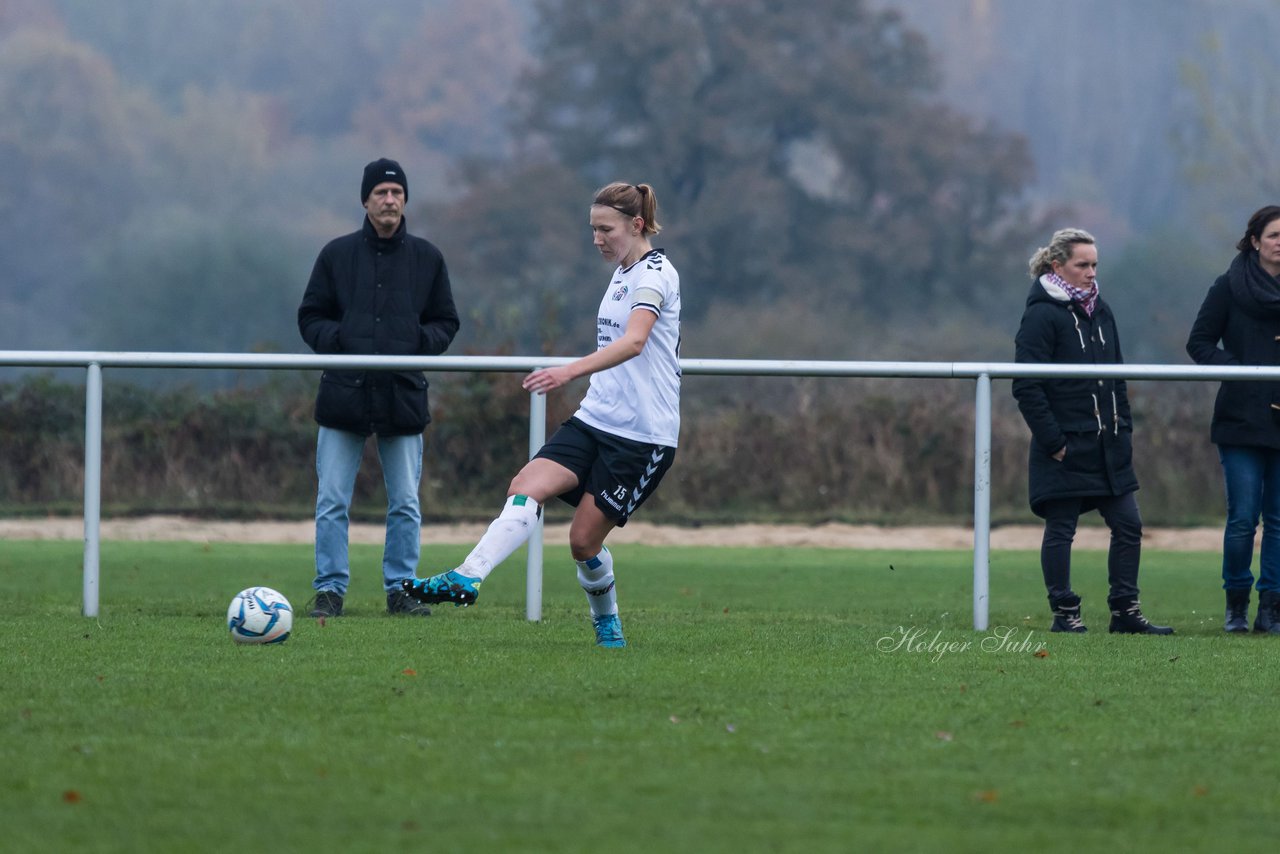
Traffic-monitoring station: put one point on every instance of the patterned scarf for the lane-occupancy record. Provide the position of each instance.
(1088, 299)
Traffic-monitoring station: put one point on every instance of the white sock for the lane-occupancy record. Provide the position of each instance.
(596, 577)
(507, 533)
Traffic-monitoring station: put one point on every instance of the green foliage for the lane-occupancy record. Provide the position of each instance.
(769, 700)
(224, 286)
(171, 169)
(175, 448)
(804, 155)
(796, 149)
(479, 439)
(42, 436)
(179, 160)
(812, 450)
(1156, 284)
(311, 53)
(1225, 139)
(519, 261)
(70, 145)
(100, 178)
(1114, 127)
(72, 129)
(449, 87)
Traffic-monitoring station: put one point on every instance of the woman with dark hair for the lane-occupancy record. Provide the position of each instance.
(1239, 324)
(1081, 455)
(610, 456)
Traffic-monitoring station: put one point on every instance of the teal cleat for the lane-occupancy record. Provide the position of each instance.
(608, 630)
(446, 587)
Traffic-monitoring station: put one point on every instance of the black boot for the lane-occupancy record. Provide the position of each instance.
(1066, 615)
(1237, 611)
(1268, 619)
(1127, 619)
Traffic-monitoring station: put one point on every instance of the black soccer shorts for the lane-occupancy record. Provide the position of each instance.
(619, 473)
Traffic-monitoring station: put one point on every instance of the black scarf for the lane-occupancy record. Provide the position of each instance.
(1257, 293)
(1253, 289)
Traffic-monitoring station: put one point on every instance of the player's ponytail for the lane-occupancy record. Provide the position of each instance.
(632, 200)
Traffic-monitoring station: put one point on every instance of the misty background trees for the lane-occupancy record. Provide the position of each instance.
(834, 175)
(839, 179)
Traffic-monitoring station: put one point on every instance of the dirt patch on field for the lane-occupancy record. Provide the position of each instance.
(820, 536)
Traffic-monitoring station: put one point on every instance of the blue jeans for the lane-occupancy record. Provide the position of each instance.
(338, 455)
(1252, 476)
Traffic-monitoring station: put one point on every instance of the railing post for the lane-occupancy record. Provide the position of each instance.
(533, 575)
(92, 486)
(981, 502)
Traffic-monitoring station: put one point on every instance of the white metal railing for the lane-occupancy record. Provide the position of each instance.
(981, 372)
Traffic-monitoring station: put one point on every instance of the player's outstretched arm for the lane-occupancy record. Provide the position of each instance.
(639, 325)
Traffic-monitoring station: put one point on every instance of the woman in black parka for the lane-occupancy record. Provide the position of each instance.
(1242, 311)
(1081, 456)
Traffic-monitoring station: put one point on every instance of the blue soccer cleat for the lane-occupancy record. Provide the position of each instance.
(608, 630)
(448, 586)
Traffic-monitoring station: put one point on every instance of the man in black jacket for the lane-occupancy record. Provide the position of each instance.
(377, 291)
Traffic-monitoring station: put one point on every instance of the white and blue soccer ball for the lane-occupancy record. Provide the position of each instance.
(260, 615)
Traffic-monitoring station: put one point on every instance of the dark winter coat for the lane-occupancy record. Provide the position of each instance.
(1088, 416)
(1242, 310)
(376, 296)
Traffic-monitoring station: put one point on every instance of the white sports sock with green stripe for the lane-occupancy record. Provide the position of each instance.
(596, 577)
(507, 533)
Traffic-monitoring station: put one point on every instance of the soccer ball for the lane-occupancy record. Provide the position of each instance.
(260, 615)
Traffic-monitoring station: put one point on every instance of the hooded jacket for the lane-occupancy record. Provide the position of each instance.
(1242, 311)
(1088, 416)
(377, 296)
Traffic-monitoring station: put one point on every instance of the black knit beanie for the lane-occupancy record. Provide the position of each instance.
(382, 171)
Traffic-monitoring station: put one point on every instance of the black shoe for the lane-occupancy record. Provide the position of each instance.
(1066, 615)
(325, 604)
(1127, 619)
(1237, 619)
(1268, 619)
(399, 602)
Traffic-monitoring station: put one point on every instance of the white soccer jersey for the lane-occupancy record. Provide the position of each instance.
(640, 399)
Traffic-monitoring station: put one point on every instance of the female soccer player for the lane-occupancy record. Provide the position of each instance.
(610, 456)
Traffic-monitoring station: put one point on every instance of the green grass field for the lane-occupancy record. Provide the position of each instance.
(769, 700)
